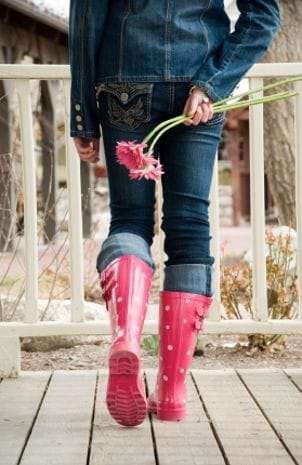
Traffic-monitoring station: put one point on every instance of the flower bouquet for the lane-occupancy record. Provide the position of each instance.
(139, 157)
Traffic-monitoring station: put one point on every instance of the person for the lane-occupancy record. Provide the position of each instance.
(135, 64)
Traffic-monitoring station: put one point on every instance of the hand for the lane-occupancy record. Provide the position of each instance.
(199, 107)
(88, 149)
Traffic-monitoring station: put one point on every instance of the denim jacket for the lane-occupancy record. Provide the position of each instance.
(162, 41)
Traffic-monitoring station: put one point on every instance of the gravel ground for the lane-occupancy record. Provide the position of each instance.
(216, 352)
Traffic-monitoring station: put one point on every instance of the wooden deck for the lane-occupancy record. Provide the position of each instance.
(235, 417)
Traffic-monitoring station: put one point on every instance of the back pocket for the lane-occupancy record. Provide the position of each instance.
(128, 104)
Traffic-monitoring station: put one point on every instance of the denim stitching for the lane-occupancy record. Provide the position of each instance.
(82, 53)
(125, 118)
(206, 30)
(167, 39)
(208, 282)
(217, 118)
(132, 89)
(227, 61)
(149, 77)
(121, 40)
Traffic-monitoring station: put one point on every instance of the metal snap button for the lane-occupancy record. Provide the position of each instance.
(78, 107)
(80, 127)
(124, 97)
(79, 118)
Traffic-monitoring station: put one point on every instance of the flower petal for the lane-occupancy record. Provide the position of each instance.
(150, 171)
(130, 154)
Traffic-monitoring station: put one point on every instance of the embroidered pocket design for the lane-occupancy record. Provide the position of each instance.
(131, 117)
(128, 105)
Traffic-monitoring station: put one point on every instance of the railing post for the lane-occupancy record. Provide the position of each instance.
(30, 201)
(298, 153)
(215, 243)
(258, 206)
(10, 356)
(75, 228)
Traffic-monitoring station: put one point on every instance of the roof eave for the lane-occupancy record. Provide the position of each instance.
(30, 10)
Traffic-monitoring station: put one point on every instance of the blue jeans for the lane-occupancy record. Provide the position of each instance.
(129, 112)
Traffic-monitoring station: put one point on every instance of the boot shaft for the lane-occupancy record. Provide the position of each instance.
(125, 285)
(181, 319)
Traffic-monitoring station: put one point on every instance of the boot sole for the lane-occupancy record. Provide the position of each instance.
(126, 400)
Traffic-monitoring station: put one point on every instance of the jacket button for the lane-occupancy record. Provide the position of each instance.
(77, 106)
(80, 127)
(79, 118)
(124, 97)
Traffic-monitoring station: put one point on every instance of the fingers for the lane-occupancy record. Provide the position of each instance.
(199, 107)
(203, 113)
(192, 104)
(88, 149)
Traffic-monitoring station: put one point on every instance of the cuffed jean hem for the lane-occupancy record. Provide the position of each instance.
(120, 244)
(194, 278)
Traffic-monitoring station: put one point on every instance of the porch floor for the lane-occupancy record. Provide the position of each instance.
(235, 417)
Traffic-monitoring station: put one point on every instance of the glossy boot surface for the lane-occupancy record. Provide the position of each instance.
(125, 283)
(181, 317)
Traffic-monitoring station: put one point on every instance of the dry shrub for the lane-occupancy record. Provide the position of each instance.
(282, 291)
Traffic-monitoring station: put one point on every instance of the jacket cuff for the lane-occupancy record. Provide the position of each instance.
(84, 119)
(208, 89)
(85, 134)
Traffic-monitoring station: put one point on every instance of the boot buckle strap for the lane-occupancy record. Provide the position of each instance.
(200, 313)
(106, 296)
(107, 287)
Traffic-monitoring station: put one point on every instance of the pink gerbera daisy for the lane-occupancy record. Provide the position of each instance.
(130, 154)
(149, 171)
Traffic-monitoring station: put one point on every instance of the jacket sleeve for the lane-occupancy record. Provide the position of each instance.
(86, 24)
(258, 22)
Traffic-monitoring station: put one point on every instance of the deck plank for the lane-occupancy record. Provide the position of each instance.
(19, 402)
(187, 442)
(281, 402)
(113, 444)
(246, 436)
(61, 432)
(249, 410)
(296, 375)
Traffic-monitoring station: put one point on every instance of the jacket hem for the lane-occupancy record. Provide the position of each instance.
(85, 134)
(147, 78)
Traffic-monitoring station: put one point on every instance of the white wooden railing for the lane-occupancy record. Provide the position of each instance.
(10, 332)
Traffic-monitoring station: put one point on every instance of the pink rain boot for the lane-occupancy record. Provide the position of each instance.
(181, 317)
(125, 283)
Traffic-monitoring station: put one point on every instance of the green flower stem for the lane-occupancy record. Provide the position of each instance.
(159, 126)
(220, 107)
(180, 120)
(250, 102)
(259, 89)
